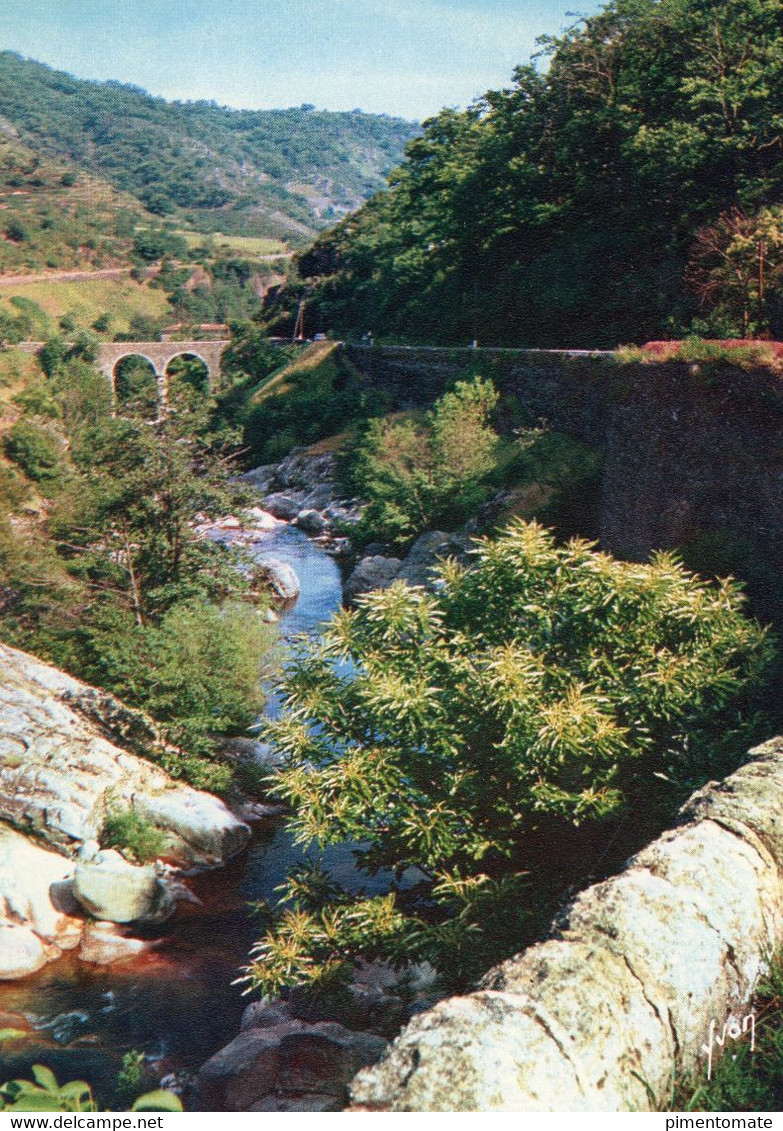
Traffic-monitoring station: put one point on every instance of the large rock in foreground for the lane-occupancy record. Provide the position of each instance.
(600, 1016)
(288, 1066)
(65, 763)
(110, 888)
(39, 918)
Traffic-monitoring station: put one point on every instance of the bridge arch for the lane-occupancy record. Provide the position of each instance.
(188, 379)
(136, 385)
(159, 355)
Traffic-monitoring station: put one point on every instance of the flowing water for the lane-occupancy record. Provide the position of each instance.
(176, 1003)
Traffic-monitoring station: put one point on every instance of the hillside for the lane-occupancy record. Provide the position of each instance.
(276, 173)
(54, 215)
(630, 191)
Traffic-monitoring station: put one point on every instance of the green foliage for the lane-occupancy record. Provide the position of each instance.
(43, 1093)
(234, 171)
(198, 672)
(586, 204)
(478, 740)
(51, 355)
(422, 475)
(36, 451)
(136, 837)
(152, 244)
(51, 217)
(133, 1078)
(317, 395)
(136, 388)
(116, 586)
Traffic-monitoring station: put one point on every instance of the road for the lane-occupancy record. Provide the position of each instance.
(64, 276)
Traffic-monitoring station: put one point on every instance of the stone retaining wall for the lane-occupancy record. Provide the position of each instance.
(598, 1017)
(692, 452)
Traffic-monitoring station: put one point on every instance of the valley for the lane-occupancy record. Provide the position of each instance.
(390, 605)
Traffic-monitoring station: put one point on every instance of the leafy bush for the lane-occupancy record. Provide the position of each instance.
(483, 735)
(315, 396)
(198, 673)
(43, 1093)
(36, 451)
(133, 835)
(419, 475)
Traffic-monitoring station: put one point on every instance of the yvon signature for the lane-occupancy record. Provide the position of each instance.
(733, 1030)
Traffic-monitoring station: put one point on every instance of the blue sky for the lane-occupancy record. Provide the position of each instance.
(406, 57)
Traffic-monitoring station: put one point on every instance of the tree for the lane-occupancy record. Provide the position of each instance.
(736, 268)
(471, 745)
(560, 211)
(420, 474)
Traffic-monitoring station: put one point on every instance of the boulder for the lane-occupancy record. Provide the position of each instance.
(104, 943)
(357, 1007)
(35, 889)
(110, 888)
(291, 1057)
(262, 520)
(311, 1101)
(371, 573)
(642, 969)
(208, 830)
(261, 478)
(303, 470)
(65, 761)
(242, 1072)
(320, 496)
(21, 951)
(323, 1058)
(282, 506)
(311, 522)
(280, 578)
(265, 1014)
(427, 551)
(39, 919)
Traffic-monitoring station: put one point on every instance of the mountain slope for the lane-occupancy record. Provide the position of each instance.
(268, 172)
(54, 215)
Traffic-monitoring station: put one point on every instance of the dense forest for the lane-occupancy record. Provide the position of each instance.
(626, 191)
(271, 172)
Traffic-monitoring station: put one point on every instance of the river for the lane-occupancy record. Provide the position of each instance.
(176, 1003)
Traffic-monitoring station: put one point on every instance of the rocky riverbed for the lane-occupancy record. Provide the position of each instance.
(69, 754)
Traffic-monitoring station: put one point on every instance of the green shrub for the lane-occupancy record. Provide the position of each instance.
(43, 1093)
(485, 735)
(36, 451)
(420, 474)
(133, 835)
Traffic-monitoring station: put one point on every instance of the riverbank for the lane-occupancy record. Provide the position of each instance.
(175, 1001)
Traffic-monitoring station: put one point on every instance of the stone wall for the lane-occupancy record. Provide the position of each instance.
(691, 451)
(598, 1017)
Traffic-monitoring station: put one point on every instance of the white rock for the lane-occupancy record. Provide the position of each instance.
(104, 943)
(63, 768)
(110, 888)
(21, 951)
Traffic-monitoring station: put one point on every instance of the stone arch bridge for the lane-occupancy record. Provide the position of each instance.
(160, 355)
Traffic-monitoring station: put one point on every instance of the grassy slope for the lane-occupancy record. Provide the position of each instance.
(242, 245)
(312, 360)
(86, 299)
(55, 215)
